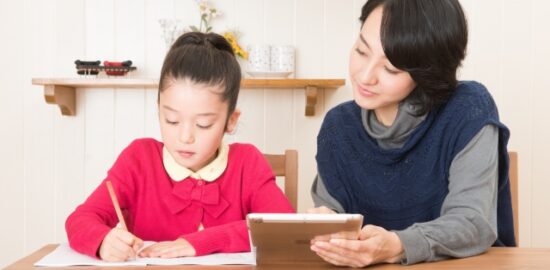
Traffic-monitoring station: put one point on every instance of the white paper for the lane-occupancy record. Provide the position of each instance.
(63, 255)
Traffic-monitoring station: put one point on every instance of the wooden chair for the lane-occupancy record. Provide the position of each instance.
(513, 174)
(287, 165)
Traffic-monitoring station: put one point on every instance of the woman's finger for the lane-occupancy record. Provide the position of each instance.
(352, 245)
(336, 255)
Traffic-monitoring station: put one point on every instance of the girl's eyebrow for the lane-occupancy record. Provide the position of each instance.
(207, 114)
(200, 114)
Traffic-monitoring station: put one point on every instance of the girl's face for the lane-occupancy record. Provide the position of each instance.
(377, 84)
(193, 122)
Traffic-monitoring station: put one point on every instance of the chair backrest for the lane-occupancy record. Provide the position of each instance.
(513, 174)
(287, 165)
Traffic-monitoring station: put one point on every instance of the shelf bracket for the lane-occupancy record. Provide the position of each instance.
(311, 100)
(63, 96)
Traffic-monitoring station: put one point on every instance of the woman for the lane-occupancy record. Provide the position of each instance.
(422, 156)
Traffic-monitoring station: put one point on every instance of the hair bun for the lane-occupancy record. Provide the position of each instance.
(198, 38)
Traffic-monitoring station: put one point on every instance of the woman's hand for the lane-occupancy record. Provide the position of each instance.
(169, 249)
(119, 246)
(375, 245)
(320, 210)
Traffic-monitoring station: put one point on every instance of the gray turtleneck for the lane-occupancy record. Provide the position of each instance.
(467, 225)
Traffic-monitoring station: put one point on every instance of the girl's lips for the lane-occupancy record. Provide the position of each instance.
(186, 154)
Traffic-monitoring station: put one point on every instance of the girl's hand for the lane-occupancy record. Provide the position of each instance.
(119, 245)
(320, 210)
(375, 245)
(169, 249)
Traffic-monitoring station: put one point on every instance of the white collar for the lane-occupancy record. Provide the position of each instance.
(207, 173)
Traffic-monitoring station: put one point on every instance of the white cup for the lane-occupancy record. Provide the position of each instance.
(282, 58)
(259, 59)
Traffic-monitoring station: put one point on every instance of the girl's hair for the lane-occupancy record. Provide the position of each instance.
(427, 39)
(205, 58)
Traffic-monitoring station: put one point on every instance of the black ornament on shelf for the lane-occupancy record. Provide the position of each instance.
(111, 68)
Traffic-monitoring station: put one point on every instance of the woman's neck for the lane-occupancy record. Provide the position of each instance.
(386, 115)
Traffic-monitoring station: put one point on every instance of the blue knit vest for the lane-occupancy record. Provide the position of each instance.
(394, 188)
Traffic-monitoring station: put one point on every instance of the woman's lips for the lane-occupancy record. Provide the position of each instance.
(366, 93)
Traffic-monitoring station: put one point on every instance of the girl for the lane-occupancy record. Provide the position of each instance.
(422, 156)
(190, 192)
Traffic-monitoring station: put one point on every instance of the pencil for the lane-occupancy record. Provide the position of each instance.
(116, 205)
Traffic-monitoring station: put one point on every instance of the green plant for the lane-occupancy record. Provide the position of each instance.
(207, 14)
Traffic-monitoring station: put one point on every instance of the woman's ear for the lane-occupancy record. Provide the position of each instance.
(232, 121)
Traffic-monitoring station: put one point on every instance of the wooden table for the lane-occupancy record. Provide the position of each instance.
(494, 259)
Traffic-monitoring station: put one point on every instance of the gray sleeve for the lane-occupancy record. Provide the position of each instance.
(321, 197)
(467, 225)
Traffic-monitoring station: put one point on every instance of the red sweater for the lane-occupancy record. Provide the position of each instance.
(160, 209)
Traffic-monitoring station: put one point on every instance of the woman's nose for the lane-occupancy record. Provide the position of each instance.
(368, 74)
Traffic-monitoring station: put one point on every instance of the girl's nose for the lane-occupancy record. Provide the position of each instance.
(187, 136)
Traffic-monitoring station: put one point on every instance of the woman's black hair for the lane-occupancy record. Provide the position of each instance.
(427, 39)
(205, 58)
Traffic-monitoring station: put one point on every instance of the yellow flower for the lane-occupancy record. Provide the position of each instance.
(230, 37)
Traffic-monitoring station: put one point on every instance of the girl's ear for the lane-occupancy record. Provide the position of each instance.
(232, 121)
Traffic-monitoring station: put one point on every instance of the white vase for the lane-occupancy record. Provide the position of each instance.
(171, 30)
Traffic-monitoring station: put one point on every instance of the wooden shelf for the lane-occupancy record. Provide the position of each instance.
(62, 91)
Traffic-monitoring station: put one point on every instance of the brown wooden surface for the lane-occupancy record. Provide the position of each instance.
(63, 96)
(286, 165)
(494, 259)
(98, 82)
(513, 171)
(61, 91)
(311, 100)
(153, 83)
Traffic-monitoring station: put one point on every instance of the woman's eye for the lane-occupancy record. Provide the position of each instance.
(391, 71)
(173, 123)
(359, 51)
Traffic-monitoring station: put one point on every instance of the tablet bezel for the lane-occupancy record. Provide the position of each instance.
(286, 238)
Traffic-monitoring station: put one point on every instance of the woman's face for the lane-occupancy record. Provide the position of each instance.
(377, 84)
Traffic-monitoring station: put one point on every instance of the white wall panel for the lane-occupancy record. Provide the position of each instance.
(12, 109)
(484, 46)
(129, 113)
(471, 11)
(152, 128)
(280, 21)
(187, 11)
(69, 131)
(38, 122)
(100, 102)
(155, 47)
(311, 54)
(155, 50)
(540, 220)
(228, 18)
(517, 98)
(252, 125)
(341, 24)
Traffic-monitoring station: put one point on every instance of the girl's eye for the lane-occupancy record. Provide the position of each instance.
(173, 123)
(203, 126)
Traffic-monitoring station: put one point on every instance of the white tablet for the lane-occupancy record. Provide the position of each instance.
(285, 238)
